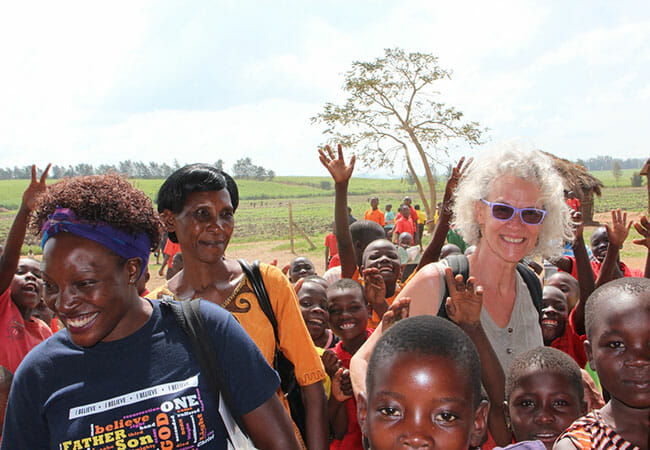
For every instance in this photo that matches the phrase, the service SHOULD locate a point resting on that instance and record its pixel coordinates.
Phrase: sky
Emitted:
(101, 82)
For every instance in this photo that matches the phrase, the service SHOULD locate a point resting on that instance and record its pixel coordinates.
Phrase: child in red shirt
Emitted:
(21, 286)
(348, 313)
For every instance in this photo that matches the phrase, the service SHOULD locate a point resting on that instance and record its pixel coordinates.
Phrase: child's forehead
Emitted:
(535, 379)
(312, 289)
(551, 292)
(599, 233)
(345, 294)
(29, 262)
(563, 279)
(380, 245)
(302, 261)
(622, 310)
(419, 368)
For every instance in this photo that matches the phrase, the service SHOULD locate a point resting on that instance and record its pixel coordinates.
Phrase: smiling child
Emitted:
(558, 325)
(312, 298)
(544, 395)
(423, 388)
(348, 312)
(618, 347)
(21, 287)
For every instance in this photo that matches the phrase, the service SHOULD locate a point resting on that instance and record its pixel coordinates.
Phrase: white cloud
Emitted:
(154, 81)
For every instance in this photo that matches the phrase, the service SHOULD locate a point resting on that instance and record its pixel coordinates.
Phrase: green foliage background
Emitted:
(263, 212)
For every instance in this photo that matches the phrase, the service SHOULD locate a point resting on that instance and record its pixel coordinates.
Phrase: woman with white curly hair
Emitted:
(510, 204)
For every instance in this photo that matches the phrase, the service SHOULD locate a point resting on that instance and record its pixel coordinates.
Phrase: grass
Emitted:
(259, 218)
(607, 177)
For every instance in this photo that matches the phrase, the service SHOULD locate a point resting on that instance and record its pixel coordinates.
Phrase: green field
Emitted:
(264, 205)
(607, 177)
(280, 188)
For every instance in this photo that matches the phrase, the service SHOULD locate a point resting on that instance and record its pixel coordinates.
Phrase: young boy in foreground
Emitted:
(544, 395)
(423, 388)
(617, 319)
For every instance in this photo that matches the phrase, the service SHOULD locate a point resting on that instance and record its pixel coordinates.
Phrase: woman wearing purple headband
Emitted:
(122, 373)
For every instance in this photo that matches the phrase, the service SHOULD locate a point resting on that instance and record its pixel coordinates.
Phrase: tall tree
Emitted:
(393, 113)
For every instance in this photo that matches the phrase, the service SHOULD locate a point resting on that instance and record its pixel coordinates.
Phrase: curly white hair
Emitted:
(521, 160)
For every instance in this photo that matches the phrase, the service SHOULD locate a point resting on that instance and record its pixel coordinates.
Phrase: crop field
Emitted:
(263, 212)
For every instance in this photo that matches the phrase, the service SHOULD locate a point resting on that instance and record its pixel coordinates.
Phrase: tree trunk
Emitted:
(416, 179)
(430, 207)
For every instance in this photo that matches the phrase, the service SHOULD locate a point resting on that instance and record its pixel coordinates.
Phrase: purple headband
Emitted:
(124, 244)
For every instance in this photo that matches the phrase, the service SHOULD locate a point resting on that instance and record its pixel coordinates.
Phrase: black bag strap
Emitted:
(460, 265)
(188, 317)
(533, 284)
(254, 275)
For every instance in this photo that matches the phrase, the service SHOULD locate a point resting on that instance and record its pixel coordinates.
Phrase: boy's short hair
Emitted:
(611, 290)
(348, 283)
(316, 279)
(366, 231)
(547, 359)
(429, 336)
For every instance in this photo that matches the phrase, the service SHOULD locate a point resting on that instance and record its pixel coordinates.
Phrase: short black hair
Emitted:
(366, 231)
(293, 261)
(348, 283)
(429, 336)
(546, 359)
(194, 178)
(610, 291)
(316, 279)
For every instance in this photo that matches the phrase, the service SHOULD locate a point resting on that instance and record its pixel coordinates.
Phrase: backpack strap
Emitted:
(533, 284)
(188, 317)
(254, 275)
(459, 265)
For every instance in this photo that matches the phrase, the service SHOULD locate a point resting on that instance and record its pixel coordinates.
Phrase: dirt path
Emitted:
(262, 250)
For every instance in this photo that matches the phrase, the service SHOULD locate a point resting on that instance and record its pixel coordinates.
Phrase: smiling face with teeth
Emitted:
(312, 298)
(513, 239)
(554, 314)
(348, 314)
(27, 286)
(382, 255)
(87, 286)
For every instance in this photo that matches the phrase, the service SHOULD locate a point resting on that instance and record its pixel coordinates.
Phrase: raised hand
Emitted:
(331, 362)
(465, 300)
(298, 285)
(397, 311)
(36, 188)
(341, 385)
(643, 228)
(578, 224)
(618, 231)
(336, 165)
(374, 288)
(456, 174)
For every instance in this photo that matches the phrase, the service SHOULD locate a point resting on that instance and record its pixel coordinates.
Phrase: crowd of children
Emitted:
(430, 382)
